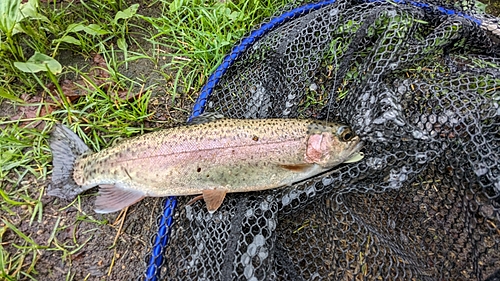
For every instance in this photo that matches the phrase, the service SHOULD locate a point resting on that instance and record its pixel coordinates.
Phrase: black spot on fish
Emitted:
(255, 138)
(126, 172)
(208, 176)
(198, 170)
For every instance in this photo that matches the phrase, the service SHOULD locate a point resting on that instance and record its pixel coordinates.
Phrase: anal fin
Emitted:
(214, 198)
(112, 198)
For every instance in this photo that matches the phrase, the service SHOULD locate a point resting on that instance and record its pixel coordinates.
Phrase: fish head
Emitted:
(332, 145)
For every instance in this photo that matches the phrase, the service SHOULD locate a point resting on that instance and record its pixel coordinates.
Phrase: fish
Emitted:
(209, 157)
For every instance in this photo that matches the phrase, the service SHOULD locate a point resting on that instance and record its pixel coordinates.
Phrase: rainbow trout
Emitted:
(210, 157)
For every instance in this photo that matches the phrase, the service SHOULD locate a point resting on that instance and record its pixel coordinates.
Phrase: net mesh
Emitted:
(420, 84)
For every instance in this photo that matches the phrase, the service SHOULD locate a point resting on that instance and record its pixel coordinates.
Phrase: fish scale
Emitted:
(212, 158)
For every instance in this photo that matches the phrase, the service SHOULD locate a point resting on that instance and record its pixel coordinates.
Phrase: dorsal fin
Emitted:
(205, 118)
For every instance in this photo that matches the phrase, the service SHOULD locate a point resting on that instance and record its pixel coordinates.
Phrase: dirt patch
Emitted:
(98, 247)
(99, 258)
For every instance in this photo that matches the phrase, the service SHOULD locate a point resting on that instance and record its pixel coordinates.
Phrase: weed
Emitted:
(14, 265)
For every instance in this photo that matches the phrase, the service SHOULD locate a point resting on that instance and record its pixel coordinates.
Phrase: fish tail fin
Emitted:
(66, 147)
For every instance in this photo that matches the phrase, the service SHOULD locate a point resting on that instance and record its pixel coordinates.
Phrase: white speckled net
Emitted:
(420, 83)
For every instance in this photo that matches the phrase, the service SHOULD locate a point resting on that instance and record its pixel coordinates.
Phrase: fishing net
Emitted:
(420, 84)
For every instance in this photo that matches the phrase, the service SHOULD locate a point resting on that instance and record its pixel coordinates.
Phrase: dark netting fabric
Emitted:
(420, 84)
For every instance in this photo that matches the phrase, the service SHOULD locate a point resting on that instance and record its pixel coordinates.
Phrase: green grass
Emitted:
(180, 42)
(201, 33)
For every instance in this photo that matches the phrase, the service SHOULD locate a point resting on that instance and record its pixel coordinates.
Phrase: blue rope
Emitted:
(161, 239)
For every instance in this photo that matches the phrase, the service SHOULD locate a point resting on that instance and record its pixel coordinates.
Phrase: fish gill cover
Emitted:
(419, 82)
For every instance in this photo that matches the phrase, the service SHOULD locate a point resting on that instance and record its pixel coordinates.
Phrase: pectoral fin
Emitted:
(112, 198)
(299, 168)
(213, 198)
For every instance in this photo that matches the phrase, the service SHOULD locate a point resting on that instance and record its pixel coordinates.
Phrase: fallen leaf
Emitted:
(71, 90)
(126, 95)
(33, 107)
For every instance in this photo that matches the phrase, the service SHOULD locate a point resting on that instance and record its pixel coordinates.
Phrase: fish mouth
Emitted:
(355, 155)
(357, 147)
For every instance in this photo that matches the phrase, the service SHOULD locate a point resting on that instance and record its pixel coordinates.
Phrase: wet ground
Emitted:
(98, 247)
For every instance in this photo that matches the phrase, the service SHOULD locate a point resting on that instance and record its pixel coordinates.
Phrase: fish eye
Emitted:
(345, 133)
